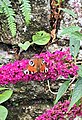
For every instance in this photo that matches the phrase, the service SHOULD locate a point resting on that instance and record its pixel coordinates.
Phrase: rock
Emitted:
(39, 21)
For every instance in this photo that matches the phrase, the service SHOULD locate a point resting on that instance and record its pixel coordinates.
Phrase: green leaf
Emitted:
(1, 65)
(24, 46)
(77, 93)
(5, 96)
(3, 88)
(41, 38)
(70, 12)
(26, 10)
(77, 35)
(1, 11)
(59, 1)
(80, 70)
(74, 46)
(10, 14)
(3, 112)
(62, 90)
(70, 29)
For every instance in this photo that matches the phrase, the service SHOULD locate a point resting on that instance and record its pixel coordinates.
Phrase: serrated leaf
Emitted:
(80, 70)
(3, 88)
(70, 12)
(26, 10)
(62, 90)
(69, 30)
(3, 112)
(41, 38)
(9, 12)
(5, 96)
(74, 46)
(77, 93)
(24, 46)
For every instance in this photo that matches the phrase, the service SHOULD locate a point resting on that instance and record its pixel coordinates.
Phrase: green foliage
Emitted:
(3, 88)
(40, 38)
(59, 1)
(6, 8)
(80, 70)
(26, 11)
(62, 90)
(70, 12)
(77, 92)
(74, 46)
(24, 46)
(70, 30)
(1, 65)
(4, 96)
(75, 37)
(1, 11)
(3, 112)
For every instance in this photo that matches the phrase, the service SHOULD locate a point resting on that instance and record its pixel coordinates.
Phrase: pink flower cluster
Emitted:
(59, 112)
(13, 72)
(59, 64)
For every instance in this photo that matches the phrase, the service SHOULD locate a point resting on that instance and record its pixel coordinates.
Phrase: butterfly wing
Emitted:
(36, 65)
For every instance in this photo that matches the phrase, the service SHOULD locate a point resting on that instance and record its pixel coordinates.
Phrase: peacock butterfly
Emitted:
(36, 65)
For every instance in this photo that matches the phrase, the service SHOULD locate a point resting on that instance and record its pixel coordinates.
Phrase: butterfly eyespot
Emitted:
(26, 72)
(31, 63)
(46, 69)
(43, 61)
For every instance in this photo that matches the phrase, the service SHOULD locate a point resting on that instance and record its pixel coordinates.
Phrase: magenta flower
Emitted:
(59, 112)
(59, 64)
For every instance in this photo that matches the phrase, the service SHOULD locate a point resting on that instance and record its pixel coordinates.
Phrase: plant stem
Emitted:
(55, 93)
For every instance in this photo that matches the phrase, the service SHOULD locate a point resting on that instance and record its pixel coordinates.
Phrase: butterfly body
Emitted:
(36, 65)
